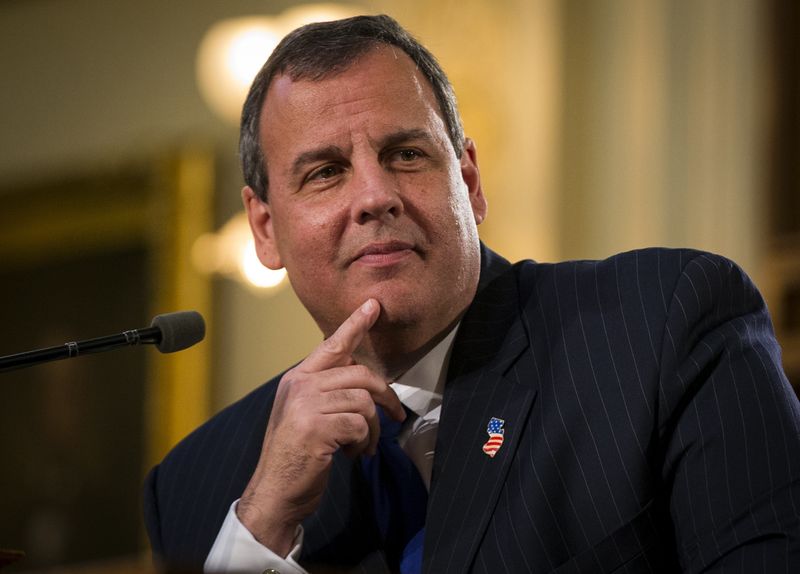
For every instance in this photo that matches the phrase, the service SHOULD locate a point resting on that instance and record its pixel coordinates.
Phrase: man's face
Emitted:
(367, 198)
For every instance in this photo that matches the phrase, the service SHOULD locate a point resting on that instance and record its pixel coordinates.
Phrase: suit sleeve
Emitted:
(151, 517)
(729, 426)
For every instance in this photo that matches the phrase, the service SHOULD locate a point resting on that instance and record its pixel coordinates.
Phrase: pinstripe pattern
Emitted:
(648, 428)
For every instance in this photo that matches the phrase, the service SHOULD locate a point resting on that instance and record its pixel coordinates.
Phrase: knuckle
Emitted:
(288, 392)
(287, 382)
(354, 426)
(338, 395)
(361, 396)
(361, 372)
(334, 345)
(345, 424)
(353, 397)
(350, 396)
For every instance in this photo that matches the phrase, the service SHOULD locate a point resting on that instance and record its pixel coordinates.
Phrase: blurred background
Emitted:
(601, 126)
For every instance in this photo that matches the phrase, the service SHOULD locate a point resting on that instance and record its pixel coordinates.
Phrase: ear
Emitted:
(259, 214)
(472, 177)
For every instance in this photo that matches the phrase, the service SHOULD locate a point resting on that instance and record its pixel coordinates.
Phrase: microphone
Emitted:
(169, 332)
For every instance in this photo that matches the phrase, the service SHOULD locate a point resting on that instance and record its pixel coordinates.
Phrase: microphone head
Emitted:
(179, 330)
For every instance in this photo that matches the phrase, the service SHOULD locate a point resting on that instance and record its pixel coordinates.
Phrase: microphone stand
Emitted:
(73, 349)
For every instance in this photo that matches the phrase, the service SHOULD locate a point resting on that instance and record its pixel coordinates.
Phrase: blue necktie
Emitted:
(400, 498)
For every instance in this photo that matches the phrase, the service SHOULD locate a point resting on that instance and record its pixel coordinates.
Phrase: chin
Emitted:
(413, 317)
(398, 314)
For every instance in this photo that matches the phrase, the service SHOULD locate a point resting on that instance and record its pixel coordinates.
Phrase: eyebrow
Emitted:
(315, 155)
(404, 136)
(333, 151)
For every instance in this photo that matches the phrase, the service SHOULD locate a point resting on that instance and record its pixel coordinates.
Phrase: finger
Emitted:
(353, 389)
(347, 401)
(358, 401)
(361, 377)
(337, 349)
(349, 431)
(348, 377)
(392, 406)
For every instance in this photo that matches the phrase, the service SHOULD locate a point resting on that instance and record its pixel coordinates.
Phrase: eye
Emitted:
(325, 172)
(406, 159)
(408, 154)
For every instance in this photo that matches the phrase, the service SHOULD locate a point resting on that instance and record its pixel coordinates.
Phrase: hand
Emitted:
(325, 403)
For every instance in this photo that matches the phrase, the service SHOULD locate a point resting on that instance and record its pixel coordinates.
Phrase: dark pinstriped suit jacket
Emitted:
(648, 428)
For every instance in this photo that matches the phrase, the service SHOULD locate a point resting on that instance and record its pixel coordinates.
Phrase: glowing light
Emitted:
(233, 51)
(231, 252)
(228, 59)
(247, 52)
(255, 272)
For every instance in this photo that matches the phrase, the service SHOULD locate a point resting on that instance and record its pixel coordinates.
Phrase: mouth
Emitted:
(382, 253)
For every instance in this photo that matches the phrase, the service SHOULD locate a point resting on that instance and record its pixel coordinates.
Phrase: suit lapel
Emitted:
(481, 384)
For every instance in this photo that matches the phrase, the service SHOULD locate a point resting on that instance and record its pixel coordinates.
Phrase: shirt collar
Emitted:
(420, 388)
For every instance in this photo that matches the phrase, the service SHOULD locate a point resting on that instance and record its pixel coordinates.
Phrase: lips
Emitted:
(383, 252)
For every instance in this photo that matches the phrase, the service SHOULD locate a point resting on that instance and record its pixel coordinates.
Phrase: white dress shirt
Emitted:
(420, 389)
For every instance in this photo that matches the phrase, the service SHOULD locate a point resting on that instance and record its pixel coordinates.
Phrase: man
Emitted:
(623, 415)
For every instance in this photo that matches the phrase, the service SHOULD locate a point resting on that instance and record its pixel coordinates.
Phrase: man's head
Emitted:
(369, 196)
(318, 51)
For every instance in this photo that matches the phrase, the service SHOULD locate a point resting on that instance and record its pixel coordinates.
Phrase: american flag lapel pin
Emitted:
(495, 431)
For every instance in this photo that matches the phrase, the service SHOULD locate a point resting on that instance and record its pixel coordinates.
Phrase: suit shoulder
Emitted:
(666, 265)
(652, 282)
(232, 427)
(674, 257)
(671, 261)
(710, 278)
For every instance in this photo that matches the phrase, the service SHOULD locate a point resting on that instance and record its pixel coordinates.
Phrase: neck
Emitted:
(390, 352)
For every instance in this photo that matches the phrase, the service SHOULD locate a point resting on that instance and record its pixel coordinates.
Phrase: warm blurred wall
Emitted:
(665, 126)
(600, 125)
(96, 81)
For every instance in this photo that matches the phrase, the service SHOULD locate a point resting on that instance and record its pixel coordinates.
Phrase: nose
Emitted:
(376, 196)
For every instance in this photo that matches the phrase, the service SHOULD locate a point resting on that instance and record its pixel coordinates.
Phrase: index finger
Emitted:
(336, 350)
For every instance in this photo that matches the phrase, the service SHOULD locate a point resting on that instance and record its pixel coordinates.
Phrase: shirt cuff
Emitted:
(237, 550)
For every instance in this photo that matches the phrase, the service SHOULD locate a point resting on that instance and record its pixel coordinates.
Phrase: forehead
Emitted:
(382, 89)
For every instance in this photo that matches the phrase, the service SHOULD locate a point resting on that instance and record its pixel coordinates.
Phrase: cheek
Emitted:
(308, 238)
(459, 203)
(460, 213)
